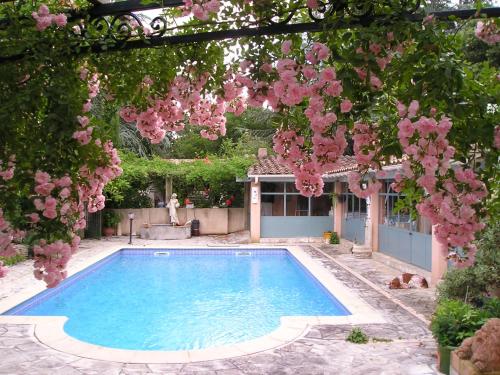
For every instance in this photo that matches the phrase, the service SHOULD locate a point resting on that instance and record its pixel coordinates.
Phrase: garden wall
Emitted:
(212, 220)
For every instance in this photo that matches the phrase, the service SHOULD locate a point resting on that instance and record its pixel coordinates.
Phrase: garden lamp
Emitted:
(131, 216)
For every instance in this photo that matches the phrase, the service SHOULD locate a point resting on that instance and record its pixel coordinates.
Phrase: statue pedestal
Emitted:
(362, 251)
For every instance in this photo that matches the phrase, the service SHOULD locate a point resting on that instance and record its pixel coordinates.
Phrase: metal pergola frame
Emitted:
(111, 20)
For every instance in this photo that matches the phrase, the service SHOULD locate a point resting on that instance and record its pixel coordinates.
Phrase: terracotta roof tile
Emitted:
(270, 166)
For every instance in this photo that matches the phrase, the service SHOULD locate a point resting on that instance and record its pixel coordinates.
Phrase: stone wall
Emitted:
(212, 220)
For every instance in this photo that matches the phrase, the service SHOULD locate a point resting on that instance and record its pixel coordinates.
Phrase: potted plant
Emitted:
(452, 322)
(110, 220)
(334, 239)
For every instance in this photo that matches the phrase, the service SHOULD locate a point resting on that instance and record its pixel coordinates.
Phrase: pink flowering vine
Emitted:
(184, 100)
(452, 193)
(488, 31)
(313, 84)
(200, 9)
(45, 19)
(7, 233)
(367, 152)
(7, 169)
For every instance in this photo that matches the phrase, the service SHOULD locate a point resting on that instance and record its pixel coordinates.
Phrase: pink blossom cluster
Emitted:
(51, 260)
(367, 153)
(488, 32)
(452, 193)
(7, 236)
(311, 83)
(45, 19)
(200, 9)
(91, 190)
(7, 171)
(183, 100)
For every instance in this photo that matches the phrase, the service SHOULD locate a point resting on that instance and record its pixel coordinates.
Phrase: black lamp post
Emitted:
(131, 216)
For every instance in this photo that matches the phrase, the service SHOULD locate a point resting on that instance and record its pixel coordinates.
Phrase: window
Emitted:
(353, 206)
(297, 205)
(321, 206)
(389, 215)
(283, 199)
(272, 205)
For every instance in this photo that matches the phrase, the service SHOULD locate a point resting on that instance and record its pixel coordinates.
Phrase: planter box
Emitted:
(444, 358)
(465, 367)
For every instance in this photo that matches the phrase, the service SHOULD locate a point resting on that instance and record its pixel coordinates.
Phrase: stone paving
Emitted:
(422, 300)
(404, 344)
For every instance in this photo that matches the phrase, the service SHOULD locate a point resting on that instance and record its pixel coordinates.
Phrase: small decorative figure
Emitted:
(173, 205)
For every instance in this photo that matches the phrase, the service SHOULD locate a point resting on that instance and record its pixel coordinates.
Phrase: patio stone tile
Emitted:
(322, 351)
(216, 365)
(173, 368)
(93, 367)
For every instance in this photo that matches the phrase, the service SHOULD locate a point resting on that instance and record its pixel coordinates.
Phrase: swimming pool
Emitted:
(152, 299)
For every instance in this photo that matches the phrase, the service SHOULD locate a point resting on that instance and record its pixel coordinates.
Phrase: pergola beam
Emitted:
(279, 29)
(130, 7)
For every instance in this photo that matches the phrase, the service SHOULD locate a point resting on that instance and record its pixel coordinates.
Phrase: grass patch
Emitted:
(10, 261)
(357, 336)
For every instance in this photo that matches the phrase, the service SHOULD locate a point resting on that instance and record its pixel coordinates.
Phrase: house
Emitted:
(278, 211)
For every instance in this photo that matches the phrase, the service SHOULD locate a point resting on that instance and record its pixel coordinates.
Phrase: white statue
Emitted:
(173, 205)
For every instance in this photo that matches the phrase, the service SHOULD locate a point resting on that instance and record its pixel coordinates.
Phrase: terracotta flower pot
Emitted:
(108, 232)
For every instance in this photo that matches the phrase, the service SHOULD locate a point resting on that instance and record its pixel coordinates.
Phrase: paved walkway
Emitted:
(404, 345)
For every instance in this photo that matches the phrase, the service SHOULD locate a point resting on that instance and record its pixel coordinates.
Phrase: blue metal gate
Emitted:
(353, 216)
(410, 247)
(353, 229)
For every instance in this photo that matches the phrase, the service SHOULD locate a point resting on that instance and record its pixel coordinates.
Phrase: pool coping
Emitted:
(49, 330)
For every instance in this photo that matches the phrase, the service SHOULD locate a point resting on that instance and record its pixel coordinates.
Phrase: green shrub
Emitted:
(334, 238)
(474, 283)
(462, 284)
(357, 336)
(487, 267)
(491, 307)
(454, 321)
(110, 219)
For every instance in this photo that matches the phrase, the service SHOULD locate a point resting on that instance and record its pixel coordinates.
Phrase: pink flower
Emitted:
(59, 19)
(83, 120)
(375, 48)
(128, 114)
(313, 4)
(267, 68)
(86, 106)
(401, 109)
(286, 47)
(34, 217)
(43, 10)
(375, 82)
(199, 12)
(84, 136)
(345, 106)
(413, 108)
(328, 74)
(65, 193)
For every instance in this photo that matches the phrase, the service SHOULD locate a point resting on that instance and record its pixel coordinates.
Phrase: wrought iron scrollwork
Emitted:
(158, 26)
(327, 9)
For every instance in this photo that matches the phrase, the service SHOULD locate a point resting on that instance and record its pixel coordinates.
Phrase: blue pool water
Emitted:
(187, 300)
